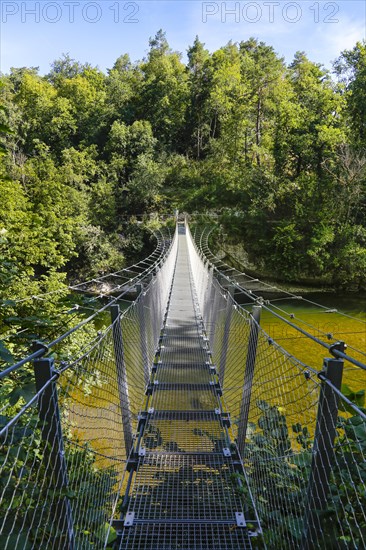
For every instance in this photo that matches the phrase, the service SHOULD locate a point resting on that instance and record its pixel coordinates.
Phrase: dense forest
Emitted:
(276, 150)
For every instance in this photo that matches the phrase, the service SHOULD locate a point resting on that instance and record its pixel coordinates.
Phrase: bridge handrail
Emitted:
(43, 349)
(64, 451)
(153, 257)
(163, 249)
(304, 367)
(337, 349)
(301, 440)
(62, 485)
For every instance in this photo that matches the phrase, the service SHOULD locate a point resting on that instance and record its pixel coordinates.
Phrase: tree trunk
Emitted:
(258, 129)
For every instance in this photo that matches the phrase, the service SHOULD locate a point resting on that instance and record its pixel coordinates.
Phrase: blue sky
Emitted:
(38, 32)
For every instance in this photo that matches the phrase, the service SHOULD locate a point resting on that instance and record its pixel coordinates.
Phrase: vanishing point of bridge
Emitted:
(182, 425)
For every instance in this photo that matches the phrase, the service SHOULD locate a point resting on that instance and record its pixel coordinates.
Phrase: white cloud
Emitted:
(338, 41)
(331, 39)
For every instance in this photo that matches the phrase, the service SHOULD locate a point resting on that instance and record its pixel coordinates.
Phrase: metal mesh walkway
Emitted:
(184, 493)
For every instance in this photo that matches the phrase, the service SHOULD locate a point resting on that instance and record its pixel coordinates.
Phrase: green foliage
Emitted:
(24, 464)
(4, 131)
(98, 254)
(351, 69)
(131, 141)
(358, 397)
(280, 495)
(278, 468)
(279, 150)
(141, 193)
(164, 92)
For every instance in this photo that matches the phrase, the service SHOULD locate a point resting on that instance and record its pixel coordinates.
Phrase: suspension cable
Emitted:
(259, 300)
(46, 347)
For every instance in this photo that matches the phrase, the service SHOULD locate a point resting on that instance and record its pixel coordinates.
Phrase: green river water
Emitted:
(275, 380)
(327, 325)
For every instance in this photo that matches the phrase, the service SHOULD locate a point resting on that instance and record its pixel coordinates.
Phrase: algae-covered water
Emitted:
(327, 324)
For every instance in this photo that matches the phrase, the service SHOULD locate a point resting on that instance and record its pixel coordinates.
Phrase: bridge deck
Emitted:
(183, 494)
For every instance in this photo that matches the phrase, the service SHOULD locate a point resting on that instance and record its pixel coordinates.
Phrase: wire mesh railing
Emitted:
(67, 431)
(49, 314)
(317, 323)
(301, 440)
(66, 443)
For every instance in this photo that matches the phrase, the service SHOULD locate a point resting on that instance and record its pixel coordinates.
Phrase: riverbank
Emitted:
(236, 256)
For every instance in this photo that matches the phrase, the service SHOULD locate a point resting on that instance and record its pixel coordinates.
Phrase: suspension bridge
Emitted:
(181, 424)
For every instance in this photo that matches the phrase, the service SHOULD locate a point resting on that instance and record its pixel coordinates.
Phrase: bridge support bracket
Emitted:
(237, 465)
(129, 519)
(142, 418)
(240, 519)
(142, 452)
(132, 463)
(226, 452)
(217, 387)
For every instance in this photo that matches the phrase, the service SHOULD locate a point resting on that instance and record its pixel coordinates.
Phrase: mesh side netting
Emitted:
(273, 409)
(60, 481)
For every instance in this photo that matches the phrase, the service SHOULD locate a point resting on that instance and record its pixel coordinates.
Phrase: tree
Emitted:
(65, 68)
(4, 128)
(263, 72)
(86, 93)
(131, 141)
(140, 193)
(80, 168)
(350, 67)
(164, 92)
(124, 83)
(226, 95)
(49, 118)
(318, 129)
(198, 115)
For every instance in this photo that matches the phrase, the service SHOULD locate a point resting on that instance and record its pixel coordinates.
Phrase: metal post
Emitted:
(214, 315)
(248, 376)
(51, 429)
(122, 378)
(143, 336)
(208, 301)
(225, 342)
(323, 453)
